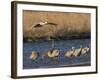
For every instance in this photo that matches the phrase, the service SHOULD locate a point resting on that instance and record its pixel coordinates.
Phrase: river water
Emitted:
(61, 61)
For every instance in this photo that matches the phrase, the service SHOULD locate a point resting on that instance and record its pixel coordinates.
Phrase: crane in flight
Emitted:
(41, 24)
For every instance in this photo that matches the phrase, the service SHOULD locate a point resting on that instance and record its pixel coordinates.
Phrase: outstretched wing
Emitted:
(37, 25)
(52, 23)
(34, 25)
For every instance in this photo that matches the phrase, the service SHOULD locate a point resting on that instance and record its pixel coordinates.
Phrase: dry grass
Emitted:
(68, 23)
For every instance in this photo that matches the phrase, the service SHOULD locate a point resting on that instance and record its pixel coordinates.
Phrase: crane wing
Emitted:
(52, 23)
(36, 24)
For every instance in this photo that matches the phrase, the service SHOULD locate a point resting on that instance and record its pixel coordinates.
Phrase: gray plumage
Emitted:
(41, 24)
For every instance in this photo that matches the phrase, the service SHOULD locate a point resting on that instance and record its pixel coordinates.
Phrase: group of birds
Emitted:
(54, 53)
(77, 52)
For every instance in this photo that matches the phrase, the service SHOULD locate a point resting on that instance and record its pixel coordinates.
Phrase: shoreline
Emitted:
(25, 40)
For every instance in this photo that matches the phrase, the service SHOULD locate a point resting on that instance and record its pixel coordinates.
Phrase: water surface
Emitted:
(62, 61)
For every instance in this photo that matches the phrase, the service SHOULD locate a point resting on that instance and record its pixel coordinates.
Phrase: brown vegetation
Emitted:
(69, 24)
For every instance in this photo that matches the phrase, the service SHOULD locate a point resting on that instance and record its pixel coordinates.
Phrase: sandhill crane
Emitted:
(85, 50)
(70, 52)
(34, 55)
(53, 53)
(77, 52)
(41, 24)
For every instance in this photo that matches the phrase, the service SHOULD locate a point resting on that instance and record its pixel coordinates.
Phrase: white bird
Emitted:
(34, 55)
(85, 50)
